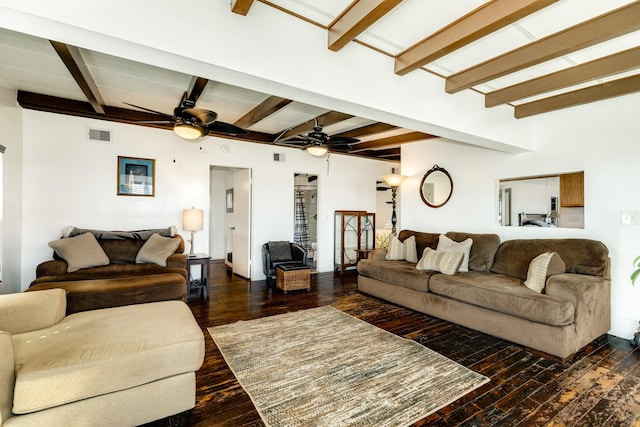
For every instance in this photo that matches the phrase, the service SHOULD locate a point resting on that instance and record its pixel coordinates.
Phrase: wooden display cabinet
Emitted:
(355, 233)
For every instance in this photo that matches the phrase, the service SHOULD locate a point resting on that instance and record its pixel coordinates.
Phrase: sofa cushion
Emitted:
(80, 252)
(541, 267)
(102, 351)
(448, 245)
(399, 251)
(503, 294)
(441, 261)
(423, 240)
(483, 250)
(581, 256)
(97, 293)
(156, 250)
(399, 273)
(280, 251)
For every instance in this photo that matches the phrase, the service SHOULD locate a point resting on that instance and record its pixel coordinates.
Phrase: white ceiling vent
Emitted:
(99, 135)
(278, 157)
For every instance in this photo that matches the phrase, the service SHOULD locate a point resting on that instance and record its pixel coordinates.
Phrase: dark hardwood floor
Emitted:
(599, 387)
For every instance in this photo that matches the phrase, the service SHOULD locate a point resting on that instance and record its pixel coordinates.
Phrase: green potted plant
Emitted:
(635, 341)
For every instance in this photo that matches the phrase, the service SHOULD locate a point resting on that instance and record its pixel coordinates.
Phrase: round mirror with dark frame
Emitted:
(436, 187)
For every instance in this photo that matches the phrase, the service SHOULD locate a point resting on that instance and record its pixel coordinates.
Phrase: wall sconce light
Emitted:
(192, 221)
(394, 180)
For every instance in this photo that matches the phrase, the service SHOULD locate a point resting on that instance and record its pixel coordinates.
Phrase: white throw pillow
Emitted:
(397, 250)
(81, 251)
(448, 245)
(541, 267)
(442, 261)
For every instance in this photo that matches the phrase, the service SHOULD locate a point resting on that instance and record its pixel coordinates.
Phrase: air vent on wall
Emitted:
(278, 157)
(99, 135)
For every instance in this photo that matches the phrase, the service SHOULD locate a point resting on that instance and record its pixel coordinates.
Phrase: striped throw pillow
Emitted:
(442, 261)
(398, 251)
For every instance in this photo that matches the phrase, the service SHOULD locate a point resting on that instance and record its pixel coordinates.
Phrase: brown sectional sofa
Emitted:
(573, 310)
(122, 281)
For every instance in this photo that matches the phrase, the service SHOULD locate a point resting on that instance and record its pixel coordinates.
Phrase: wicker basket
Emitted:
(292, 279)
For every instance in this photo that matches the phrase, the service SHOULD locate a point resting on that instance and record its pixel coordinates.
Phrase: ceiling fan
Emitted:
(318, 143)
(192, 123)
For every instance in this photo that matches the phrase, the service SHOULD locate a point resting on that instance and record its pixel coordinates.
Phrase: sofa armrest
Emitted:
(29, 311)
(7, 376)
(298, 253)
(54, 267)
(377, 254)
(591, 298)
(177, 261)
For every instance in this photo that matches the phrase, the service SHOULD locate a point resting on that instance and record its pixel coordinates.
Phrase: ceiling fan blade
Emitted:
(342, 140)
(157, 122)
(339, 147)
(206, 117)
(222, 127)
(149, 110)
(296, 142)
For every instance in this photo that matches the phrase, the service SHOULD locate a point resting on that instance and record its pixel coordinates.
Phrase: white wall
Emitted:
(599, 138)
(69, 180)
(11, 138)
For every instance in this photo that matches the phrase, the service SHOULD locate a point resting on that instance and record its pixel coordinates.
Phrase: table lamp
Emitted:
(192, 221)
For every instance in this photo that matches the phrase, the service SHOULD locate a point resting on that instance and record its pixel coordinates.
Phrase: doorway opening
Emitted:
(230, 218)
(305, 233)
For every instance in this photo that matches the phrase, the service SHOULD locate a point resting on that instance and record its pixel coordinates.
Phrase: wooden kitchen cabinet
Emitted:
(572, 190)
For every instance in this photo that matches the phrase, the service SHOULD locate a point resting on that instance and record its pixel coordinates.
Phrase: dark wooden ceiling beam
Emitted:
(263, 110)
(196, 87)
(368, 130)
(241, 7)
(52, 104)
(359, 16)
(326, 119)
(606, 90)
(392, 140)
(597, 30)
(72, 59)
(384, 153)
(598, 68)
(484, 20)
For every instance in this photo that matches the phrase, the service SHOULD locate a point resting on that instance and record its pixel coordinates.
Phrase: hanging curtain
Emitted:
(301, 224)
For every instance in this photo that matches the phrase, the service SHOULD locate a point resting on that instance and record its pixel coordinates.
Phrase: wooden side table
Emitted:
(201, 283)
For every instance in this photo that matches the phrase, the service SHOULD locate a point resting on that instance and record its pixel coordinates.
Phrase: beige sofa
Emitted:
(121, 281)
(573, 310)
(121, 366)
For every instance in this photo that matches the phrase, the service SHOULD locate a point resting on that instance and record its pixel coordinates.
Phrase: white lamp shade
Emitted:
(187, 131)
(394, 180)
(317, 150)
(192, 219)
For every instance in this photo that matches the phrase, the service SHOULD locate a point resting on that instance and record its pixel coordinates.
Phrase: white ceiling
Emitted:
(30, 63)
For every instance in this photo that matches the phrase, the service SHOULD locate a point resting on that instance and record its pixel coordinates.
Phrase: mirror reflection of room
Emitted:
(552, 201)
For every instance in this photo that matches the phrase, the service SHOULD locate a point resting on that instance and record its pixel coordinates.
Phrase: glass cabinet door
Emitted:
(354, 233)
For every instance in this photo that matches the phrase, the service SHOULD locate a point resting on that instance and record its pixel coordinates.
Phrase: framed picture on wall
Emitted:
(136, 176)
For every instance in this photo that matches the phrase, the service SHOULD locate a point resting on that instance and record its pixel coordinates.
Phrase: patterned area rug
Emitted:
(323, 367)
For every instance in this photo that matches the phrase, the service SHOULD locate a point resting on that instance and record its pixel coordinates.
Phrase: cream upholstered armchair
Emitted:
(116, 366)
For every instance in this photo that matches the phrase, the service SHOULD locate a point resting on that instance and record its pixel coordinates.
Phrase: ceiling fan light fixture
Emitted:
(317, 150)
(188, 131)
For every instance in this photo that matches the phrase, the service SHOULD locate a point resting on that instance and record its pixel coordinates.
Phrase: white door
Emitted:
(242, 222)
